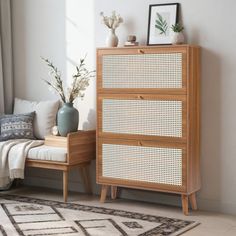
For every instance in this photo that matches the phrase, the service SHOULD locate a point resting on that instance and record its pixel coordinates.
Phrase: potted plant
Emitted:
(177, 34)
(68, 116)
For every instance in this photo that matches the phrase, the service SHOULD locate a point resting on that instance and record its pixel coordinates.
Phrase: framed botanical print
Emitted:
(161, 18)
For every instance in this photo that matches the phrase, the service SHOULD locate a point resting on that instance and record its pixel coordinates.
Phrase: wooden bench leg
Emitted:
(113, 192)
(65, 185)
(185, 204)
(193, 201)
(84, 173)
(103, 193)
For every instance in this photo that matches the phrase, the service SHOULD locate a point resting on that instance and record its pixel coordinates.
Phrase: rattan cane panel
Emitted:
(142, 117)
(143, 71)
(138, 163)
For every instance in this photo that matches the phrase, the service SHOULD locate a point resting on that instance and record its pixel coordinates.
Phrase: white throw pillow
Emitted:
(45, 114)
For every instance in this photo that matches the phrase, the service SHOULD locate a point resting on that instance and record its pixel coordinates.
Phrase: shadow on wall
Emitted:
(91, 120)
(210, 129)
(37, 33)
(211, 97)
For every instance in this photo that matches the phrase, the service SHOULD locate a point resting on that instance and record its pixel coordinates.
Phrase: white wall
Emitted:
(40, 29)
(63, 31)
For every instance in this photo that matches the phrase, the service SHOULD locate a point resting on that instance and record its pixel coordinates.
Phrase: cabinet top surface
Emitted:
(55, 137)
(151, 47)
(78, 133)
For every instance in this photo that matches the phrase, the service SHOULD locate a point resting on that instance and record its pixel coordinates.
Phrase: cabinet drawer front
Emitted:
(149, 71)
(143, 117)
(150, 164)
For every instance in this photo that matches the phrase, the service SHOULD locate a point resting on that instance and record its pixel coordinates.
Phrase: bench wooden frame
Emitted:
(81, 149)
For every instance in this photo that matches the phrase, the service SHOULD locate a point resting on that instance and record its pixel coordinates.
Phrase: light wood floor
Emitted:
(212, 224)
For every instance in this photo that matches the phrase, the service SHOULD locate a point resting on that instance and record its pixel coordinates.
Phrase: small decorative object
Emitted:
(55, 131)
(177, 36)
(112, 23)
(161, 17)
(68, 116)
(131, 41)
(131, 38)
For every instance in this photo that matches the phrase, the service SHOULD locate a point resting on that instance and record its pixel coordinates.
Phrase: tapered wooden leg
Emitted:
(185, 204)
(193, 201)
(84, 173)
(113, 192)
(103, 193)
(65, 185)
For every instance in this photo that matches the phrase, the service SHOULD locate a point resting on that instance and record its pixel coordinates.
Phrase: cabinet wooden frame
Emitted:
(193, 121)
(189, 93)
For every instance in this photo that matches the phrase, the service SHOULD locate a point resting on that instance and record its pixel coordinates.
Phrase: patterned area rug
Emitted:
(35, 217)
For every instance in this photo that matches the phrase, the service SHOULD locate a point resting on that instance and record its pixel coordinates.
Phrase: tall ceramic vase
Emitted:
(67, 119)
(112, 40)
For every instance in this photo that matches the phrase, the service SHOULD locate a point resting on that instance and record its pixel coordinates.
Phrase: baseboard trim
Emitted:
(138, 195)
(216, 206)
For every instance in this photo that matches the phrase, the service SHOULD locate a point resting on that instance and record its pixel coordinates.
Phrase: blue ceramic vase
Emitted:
(67, 119)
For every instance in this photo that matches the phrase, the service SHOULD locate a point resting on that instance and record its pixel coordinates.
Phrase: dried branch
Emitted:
(80, 81)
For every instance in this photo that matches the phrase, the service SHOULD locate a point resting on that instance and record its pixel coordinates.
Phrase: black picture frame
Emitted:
(166, 15)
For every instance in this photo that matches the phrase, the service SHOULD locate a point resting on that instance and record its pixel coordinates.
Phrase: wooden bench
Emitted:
(81, 149)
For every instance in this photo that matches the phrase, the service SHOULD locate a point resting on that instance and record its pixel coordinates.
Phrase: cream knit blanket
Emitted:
(12, 159)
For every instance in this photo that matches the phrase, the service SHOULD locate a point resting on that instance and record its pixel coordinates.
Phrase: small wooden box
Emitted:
(81, 145)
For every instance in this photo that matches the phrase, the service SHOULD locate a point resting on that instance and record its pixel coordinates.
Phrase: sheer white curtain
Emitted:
(6, 74)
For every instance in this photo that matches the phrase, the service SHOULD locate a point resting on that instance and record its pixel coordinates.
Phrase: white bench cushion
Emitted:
(47, 153)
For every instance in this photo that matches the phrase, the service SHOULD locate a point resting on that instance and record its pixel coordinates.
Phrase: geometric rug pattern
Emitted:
(26, 216)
